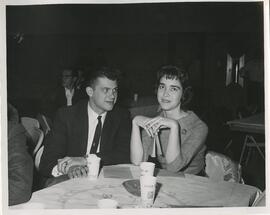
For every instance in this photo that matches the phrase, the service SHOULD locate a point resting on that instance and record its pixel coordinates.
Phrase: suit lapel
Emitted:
(82, 123)
(108, 130)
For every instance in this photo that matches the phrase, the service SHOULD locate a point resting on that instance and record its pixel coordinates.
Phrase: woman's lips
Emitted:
(165, 101)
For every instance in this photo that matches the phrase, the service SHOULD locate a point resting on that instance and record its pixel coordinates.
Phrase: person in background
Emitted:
(20, 163)
(80, 82)
(65, 95)
(68, 94)
(93, 126)
(175, 139)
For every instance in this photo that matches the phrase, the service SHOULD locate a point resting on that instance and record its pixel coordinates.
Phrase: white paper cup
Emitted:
(107, 203)
(93, 163)
(147, 168)
(148, 189)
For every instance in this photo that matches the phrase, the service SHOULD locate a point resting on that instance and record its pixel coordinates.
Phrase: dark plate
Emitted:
(133, 187)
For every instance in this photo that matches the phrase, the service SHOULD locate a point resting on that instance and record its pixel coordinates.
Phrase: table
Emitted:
(250, 125)
(177, 190)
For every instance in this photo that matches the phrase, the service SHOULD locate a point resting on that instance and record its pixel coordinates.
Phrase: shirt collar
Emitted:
(68, 90)
(93, 114)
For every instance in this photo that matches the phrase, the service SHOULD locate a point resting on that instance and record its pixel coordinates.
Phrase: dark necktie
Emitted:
(97, 134)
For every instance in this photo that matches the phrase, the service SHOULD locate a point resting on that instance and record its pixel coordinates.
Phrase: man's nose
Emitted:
(112, 94)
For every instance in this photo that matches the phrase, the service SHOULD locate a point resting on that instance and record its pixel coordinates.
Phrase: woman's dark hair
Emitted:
(110, 73)
(178, 73)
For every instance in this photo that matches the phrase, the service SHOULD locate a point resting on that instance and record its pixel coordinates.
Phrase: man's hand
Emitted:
(77, 171)
(67, 162)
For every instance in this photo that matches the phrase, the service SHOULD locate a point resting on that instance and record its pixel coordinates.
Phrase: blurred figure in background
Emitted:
(20, 163)
(67, 94)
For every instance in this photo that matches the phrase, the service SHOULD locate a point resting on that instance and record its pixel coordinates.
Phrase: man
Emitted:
(74, 133)
(68, 94)
(65, 95)
(20, 163)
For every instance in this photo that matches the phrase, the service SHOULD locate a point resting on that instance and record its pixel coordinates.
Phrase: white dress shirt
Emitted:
(92, 124)
(69, 94)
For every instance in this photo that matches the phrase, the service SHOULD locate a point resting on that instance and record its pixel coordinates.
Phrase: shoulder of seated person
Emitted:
(15, 128)
(192, 121)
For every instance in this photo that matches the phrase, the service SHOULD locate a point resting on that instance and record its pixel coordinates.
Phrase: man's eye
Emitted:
(161, 87)
(115, 90)
(105, 90)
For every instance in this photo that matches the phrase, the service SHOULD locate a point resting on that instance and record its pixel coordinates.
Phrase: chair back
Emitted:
(44, 123)
(260, 200)
(30, 124)
(38, 157)
(39, 141)
(221, 168)
(36, 135)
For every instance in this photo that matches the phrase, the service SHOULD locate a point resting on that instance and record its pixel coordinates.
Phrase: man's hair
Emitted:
(74, 71)
(178, 73)
(102, 72)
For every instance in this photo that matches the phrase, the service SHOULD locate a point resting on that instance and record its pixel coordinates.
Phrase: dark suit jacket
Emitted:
(20, 165)
(60, 96)
(70, 134)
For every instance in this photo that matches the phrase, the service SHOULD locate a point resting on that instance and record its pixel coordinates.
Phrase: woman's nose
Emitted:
(166, 93)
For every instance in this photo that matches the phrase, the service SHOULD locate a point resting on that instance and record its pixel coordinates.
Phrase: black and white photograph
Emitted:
(139, 105)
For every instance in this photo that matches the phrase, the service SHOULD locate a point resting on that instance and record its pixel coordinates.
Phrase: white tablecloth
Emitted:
(182, 191)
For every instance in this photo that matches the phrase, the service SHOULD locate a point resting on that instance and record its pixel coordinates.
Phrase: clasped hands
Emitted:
(74, 167)
(153, 125)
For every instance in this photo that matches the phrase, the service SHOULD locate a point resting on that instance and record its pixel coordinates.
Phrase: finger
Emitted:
(150, 131)
(156, 128)
(83, 171)
(70, 174)
(62, 163)
(78, 172)
(154, 121)
(147, 131)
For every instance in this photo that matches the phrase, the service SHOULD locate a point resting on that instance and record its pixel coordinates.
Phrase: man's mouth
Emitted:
(110, 102)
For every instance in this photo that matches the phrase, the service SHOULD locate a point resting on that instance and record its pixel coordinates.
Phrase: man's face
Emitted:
(103, 95)
(67, 79)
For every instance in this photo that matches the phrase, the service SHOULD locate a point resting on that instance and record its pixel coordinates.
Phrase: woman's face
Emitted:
(169, 94)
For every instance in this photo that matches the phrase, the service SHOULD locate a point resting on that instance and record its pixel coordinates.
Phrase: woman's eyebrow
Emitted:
(175, 86)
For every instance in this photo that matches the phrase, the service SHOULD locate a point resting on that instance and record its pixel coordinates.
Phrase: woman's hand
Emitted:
(157, 123)
(141, 121)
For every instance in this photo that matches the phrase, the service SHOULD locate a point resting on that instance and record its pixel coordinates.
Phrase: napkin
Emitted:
(117, 172)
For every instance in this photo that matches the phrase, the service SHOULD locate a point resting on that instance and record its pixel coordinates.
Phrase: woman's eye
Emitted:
(174, 89)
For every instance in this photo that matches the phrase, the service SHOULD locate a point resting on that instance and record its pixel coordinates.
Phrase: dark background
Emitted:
(136, 38)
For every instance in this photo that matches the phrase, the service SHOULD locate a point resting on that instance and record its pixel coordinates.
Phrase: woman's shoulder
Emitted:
(192, 120)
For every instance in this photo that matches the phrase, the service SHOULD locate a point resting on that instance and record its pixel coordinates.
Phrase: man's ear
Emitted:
(89, 91)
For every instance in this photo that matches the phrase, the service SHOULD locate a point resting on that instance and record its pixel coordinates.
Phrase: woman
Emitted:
(176, 136)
